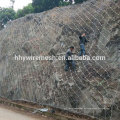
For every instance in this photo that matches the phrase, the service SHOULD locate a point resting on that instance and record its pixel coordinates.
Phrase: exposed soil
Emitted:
(6, 114)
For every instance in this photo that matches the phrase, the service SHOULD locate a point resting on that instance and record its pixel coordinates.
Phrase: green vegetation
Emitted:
(6, 14)
(26, 10)
(79, 1)
(36, 6)
(43, 5)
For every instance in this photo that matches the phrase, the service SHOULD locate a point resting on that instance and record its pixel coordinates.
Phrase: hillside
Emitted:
(93, 89)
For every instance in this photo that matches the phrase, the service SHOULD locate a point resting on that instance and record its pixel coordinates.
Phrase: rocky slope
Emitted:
(93, 86)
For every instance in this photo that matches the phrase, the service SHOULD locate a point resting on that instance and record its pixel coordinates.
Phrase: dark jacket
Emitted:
(83, 40)
(68, 54)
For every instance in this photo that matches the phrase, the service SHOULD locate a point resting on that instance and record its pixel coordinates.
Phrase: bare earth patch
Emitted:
(6, 114)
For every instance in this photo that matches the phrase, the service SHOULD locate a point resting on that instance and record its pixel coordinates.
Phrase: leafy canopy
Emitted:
(26, 10)
(6, 14)
(43, 5)
(36, 6)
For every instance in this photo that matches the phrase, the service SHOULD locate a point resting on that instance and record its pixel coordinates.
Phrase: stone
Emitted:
(52, 33)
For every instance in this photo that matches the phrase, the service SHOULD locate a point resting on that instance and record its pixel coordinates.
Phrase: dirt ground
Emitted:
(7, 114)
(10, 111)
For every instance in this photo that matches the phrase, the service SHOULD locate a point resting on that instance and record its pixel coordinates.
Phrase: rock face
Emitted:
(93, 86)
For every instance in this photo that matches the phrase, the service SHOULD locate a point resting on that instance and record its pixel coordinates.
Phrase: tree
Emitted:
(12, 1)
(79, 1)
(74, 1)
(19, 14)
(64, 3)
(43, 5)
(26, 10)
(6, 14)
(69, 1)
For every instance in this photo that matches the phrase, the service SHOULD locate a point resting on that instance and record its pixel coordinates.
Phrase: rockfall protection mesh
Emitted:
(71, 89)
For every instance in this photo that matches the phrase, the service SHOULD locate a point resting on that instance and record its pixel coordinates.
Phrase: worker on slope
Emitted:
(69, 62)
(82, 43)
